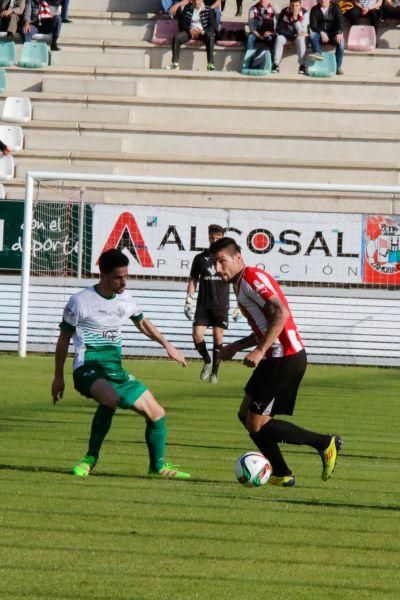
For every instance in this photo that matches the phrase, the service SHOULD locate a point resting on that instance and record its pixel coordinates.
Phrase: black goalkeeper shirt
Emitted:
(213, 291)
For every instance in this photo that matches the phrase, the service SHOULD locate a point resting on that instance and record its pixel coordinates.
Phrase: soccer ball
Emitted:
(253, 469)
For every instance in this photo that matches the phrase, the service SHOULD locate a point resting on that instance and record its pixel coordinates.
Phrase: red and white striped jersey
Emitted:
(253, 289)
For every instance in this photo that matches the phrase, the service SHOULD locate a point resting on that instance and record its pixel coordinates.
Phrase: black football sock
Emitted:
(202, 350)
(271, 451)
(289, 433)
(100, 427)
(216, 360)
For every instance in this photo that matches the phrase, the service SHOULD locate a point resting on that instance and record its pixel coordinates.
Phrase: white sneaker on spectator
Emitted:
(316, 56)
(173, 66)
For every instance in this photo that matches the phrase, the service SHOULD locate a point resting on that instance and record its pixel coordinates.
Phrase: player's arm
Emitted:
(191, 289)
(277, 314)
(58, 385)
(149, 330)
(227, 352)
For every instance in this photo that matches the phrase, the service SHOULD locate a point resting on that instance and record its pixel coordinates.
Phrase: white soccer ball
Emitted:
(253, 469)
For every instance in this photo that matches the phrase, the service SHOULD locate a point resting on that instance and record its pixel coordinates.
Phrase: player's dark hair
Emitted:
(213, 228)
(112, 259)
(225, 243)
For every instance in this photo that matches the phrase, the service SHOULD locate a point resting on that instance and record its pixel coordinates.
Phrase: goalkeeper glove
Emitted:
(237, 314)
(188, 309)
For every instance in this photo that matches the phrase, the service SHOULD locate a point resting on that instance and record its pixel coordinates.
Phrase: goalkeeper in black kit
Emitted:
(212, 306)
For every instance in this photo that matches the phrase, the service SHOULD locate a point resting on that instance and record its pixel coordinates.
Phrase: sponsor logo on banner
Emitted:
(292, 246)
(381, 250)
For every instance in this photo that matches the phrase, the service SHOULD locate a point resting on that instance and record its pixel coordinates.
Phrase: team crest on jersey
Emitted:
(381, 250)
(120, 312)
(110, 334)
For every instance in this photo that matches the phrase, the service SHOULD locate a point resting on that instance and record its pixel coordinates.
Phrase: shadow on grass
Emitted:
(287, 501)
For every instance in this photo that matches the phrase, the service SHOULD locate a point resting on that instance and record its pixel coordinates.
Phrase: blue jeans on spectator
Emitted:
(49, 26)
(252, 40)
(64, 9)
(166, 4)
(315, 38)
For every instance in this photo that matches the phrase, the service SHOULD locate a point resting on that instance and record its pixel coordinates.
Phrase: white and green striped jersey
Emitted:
(96, 322)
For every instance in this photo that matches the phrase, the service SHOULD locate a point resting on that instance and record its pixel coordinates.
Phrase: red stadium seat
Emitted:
(164, 31)
(362, 38)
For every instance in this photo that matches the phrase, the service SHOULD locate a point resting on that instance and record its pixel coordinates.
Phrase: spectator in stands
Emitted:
(292, 25)
(391, 9)
(173, 6)
(371, 9)
(11, 12)
(262, 18)
(64, 11)
(196, 22)
(4, 148)
(42, 17)
(326, 27)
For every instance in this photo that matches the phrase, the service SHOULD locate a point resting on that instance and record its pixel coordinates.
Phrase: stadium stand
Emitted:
(106, 104)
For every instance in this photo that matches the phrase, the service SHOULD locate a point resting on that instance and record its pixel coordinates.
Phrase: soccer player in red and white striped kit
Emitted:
(279, 361)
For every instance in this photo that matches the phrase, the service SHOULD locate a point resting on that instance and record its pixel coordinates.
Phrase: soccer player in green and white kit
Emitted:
(93, 318)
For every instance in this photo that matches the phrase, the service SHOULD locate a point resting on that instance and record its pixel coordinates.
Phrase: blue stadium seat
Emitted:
(322, 68)
(256, 72)
(35, 55)
(7, 53)
(3, 84)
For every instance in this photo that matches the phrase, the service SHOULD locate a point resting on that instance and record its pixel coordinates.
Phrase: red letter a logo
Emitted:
(126, 234)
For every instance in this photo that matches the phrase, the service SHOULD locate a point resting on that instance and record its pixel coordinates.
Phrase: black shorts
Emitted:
(274, 384)
(211, 317)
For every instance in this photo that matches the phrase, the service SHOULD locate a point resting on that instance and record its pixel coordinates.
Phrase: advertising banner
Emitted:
(295, 246)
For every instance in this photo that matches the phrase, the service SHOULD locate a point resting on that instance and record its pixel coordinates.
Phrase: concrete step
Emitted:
(194, 196)
(315, 145)
(96, 57)
(252, 116)
(132, 29)
(193, 86)
(85, 85)
(133, 6)
(208, 166)
(71, 140)
(76, 112)
(206, 86)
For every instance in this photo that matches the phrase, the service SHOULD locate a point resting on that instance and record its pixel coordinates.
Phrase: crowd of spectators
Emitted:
(271, 28)
(29, 17)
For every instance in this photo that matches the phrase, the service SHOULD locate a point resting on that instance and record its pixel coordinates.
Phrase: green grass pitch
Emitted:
(122, 535)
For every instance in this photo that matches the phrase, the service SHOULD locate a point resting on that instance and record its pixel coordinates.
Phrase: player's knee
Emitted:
(157, 413)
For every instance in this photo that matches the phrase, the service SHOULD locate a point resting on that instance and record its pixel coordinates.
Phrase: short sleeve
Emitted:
(135, 311)
(195, 270)
(71, 312)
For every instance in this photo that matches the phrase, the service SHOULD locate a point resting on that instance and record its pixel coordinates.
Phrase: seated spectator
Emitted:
(42, 17)
(391, 9)
(262, 17)
(173, 6)
(365, 8)
(326, 27)
(196, 22)
(64, 11)
(292, 25)
(11, 12)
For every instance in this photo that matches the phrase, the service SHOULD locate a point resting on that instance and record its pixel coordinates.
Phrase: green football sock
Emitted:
(100, 427)
(156, 435)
